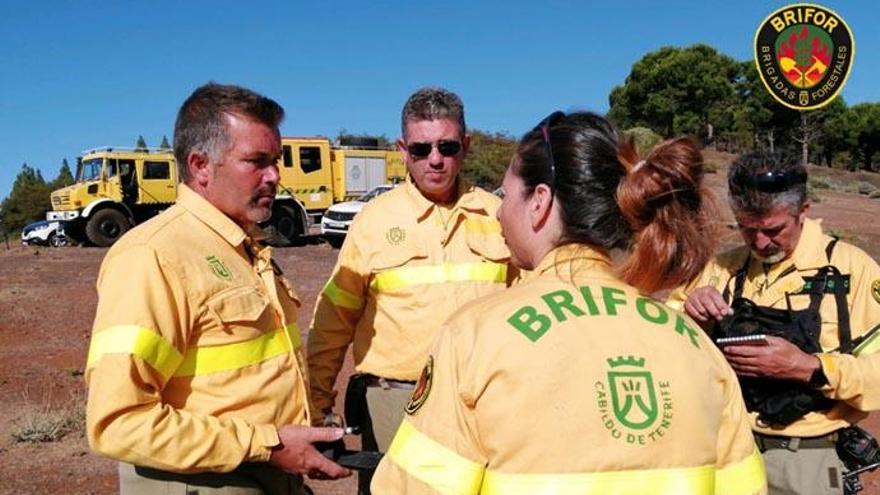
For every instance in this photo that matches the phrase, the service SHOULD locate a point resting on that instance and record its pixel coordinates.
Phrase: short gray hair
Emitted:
(760, 182)
(201, 124)
(432, 103)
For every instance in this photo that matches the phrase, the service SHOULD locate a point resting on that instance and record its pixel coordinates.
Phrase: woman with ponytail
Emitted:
(576, 381)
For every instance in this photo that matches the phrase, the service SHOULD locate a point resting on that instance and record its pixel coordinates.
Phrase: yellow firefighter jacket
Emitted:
(193, 362)
(573, 383)
(406, 265)
(854, 380)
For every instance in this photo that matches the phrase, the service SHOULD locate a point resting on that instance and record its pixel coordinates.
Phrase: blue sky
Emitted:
(82, 74)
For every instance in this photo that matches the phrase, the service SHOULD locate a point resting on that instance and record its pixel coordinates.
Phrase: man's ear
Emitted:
(539, 205)
(198, 165)
(465, 144)
(805, 210)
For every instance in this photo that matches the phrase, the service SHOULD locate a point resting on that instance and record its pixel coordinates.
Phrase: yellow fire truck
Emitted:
(117, 188)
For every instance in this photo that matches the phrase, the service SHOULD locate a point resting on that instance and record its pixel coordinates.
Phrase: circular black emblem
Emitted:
(804, 54)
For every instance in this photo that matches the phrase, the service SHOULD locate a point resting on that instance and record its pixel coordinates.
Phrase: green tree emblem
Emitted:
(219, 268)
(632, 393)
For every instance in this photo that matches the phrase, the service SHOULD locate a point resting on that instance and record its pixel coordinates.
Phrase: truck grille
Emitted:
(61, 199)
(339, 216)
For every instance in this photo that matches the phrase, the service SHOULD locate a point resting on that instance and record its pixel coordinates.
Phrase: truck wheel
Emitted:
(106, 226)
(285, 226)
(335, 240)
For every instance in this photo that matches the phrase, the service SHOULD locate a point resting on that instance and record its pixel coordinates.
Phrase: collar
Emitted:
(208, 214)
(570, 260)
(810, 249)
(466, 198)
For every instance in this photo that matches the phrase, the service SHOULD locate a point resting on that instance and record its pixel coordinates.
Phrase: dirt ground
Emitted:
(47, 302)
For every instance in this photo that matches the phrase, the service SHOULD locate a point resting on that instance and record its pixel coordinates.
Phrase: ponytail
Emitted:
(665, 203)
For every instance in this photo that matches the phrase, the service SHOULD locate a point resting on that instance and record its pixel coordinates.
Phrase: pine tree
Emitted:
(141, 144)
(28, 201)
(65, 177)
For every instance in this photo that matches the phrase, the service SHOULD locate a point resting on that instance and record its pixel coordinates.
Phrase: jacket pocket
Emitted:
(239, 305)
(412, 247)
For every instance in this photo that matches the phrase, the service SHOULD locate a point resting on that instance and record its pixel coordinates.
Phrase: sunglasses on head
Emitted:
(773, 181)
(422, 150)
(544, 126)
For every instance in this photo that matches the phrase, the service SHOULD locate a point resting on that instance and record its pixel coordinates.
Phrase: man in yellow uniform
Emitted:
(413, 256)
(819, 372)
(196, 382)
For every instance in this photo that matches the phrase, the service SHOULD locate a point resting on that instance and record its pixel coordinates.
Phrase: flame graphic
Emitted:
(804, 61)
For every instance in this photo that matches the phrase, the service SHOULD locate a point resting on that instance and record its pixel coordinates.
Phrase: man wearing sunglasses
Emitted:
(413, 256)
(817, 372)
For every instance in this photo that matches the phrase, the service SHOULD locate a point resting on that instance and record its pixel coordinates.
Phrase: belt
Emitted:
(386, 383)
(769, 442)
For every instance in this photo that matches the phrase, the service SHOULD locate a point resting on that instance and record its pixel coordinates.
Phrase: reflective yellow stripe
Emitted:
(433, 464)
(204, 360)
(342, 298)
(295, 338)
(407, 276)
(742, 478)
(485, 226)
(690, 481)
(869, 345)
(137, 341)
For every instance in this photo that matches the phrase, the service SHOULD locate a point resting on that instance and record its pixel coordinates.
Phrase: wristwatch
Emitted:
(818, 378)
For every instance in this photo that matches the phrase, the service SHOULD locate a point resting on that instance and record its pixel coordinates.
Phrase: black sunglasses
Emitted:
(545, 126)
(422, 150)
(773, 181)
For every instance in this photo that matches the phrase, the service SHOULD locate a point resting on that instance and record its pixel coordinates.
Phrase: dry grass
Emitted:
(46, 422)
(825, 182)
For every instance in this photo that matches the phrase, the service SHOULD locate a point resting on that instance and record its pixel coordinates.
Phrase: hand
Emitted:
(296, 454)
(705, 304)
(779, 359)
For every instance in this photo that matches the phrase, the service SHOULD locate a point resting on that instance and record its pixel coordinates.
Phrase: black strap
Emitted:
(739, 281)
(825, 274)
(844, 332)
(830, 247)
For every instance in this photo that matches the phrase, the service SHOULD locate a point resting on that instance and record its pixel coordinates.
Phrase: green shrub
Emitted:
(44, 422)
(819, 182)
(644, 139)
(866, 188)
(842, 160)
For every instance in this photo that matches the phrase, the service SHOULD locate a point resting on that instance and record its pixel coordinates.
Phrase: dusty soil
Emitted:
(47, 302)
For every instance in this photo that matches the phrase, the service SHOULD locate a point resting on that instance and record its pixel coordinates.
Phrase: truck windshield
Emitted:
(90, 170)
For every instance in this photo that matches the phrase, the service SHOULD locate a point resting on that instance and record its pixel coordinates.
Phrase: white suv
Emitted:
(337, 219)
(44, 233)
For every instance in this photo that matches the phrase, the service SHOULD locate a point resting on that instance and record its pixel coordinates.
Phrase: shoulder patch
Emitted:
(875, 290)
(423, 388)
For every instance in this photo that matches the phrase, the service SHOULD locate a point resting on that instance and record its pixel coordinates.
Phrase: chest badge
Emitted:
(395, 235)
(219, 268)
(875, 290)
